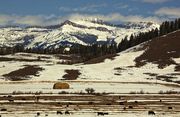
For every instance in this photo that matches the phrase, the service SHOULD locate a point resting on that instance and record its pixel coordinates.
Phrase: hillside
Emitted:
(162, 51)
(155, 59)
(147, 62)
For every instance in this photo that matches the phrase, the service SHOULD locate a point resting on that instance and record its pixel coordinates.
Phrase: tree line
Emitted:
(169, 26)
(165, 28)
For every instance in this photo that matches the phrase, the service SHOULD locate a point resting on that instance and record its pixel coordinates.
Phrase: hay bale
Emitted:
(60, 85)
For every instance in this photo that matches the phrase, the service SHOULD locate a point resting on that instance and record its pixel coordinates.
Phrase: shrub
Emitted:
(63, 92)
(138, 92)
(168, 92)
(38, 92)
(90, 90)
(160, 92)
(132, 92)
(141, 92)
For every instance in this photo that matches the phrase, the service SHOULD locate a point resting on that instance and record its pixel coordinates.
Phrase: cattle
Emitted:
(108, 104)
(70, 103)
(59, 112)
(151, 113)
(67, 113)
(130, 107)
(90, 103)
(38, 113)
(102, 113)
(9, 96)
(23, 99)
(170, 108)
(11, 100)
(121, 103)
(3, 109)
(106, 113)
(136, 102)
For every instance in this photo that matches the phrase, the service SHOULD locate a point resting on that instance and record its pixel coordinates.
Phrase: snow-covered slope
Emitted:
(12, 36)
(69, 32)
(151, 67)
(149, 61)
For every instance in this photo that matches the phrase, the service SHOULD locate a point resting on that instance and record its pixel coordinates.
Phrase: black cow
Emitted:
(100, 113)
(67, 113)
(130, 107)
(11, 100)
(121, 103)
(38, 113)
(59, 112)
(151, 113)
(136, 102)
(106, 113)
(3, 109)
(9, 96)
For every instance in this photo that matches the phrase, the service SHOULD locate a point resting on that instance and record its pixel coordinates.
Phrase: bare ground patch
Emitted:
(151, 74)
(160, 51)
(15, 59)
(177, 68)
(24, 73)
(174, 74)
(71, 74)
(167, 78)
(119, 69)
(101, 59)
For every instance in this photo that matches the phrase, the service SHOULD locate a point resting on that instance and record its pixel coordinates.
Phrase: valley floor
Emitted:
(121, 105)
(121, 88)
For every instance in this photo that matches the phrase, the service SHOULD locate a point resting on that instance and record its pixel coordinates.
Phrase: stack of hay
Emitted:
(61, 85)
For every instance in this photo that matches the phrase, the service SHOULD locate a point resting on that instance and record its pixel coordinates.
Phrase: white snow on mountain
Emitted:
(82, 32)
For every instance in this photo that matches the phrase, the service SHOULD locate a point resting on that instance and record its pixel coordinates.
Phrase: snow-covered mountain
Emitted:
(83, 32)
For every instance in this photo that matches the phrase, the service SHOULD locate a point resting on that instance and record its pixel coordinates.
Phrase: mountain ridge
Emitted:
(71, 32)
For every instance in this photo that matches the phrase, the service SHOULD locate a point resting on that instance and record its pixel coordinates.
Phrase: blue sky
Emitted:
(47, 12)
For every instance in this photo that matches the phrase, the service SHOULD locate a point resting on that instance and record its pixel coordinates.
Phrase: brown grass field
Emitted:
(164, 103)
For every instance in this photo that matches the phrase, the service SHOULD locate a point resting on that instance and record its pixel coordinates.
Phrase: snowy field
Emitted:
(107, 76)
(107, 70)
(76, 87)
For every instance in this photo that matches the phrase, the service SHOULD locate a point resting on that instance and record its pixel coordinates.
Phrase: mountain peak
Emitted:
(81, 31)
(66, 22)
